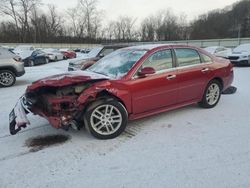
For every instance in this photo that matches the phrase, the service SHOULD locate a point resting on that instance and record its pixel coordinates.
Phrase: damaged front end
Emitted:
(17, 117)
(60, 100)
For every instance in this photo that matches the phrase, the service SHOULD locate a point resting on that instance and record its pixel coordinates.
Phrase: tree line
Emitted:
(30, 21)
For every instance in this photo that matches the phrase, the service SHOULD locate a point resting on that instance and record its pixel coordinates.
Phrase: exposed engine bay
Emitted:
(59, 105)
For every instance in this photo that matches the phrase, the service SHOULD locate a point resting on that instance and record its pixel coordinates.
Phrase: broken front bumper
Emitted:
(18, 116)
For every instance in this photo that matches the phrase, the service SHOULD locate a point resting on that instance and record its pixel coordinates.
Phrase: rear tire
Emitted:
(7, 78)
(46, 60)
(211, 95)
(31, 63)
(106, 118)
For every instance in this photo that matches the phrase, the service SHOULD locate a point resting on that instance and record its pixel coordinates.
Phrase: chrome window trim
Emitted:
(190, 66)
(156, 73)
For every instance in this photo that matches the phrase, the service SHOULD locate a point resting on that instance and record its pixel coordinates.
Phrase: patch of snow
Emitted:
(188, 147)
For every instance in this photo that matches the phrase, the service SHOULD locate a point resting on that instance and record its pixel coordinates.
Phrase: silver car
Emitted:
(10, 68)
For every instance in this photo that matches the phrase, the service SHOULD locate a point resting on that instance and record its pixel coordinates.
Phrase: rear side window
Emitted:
(186, 57)
(206, 58)
(4, 53)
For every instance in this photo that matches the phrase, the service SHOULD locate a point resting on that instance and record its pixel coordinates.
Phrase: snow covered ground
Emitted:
(188, 147)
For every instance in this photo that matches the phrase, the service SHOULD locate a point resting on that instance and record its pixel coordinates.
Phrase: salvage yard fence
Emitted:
(231, 43)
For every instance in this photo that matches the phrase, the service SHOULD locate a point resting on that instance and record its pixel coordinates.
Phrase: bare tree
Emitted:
(19, 11)
(148, 29)
(8, 8)
(77, 22)
(90, 15)
(55, 21)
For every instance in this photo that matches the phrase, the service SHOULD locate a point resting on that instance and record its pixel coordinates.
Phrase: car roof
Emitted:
(115, 45)
(148, 47)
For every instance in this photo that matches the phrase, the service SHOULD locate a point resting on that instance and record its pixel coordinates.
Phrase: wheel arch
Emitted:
(219, 80)
(9, 68)
(105, 93)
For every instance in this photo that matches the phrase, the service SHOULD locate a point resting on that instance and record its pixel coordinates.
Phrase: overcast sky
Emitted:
(141, 8)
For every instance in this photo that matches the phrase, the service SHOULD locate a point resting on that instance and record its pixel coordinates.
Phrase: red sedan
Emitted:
(68, 54)
(127, 84)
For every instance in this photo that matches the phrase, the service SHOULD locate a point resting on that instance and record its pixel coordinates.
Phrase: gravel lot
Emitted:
(188, 147)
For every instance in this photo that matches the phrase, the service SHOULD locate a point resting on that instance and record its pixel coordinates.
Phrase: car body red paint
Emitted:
(68, 54)
(141, 96)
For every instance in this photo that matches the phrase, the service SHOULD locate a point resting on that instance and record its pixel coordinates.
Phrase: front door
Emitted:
(157, 90)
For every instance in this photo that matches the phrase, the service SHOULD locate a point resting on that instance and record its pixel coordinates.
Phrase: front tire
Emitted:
(7, 78)
(106, 118)
(211, 95)
(46, 60)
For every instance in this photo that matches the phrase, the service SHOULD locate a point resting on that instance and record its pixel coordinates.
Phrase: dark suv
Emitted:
(93, 56)
(10, 68)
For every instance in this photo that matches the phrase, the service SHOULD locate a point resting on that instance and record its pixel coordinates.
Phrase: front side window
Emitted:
(160, 60)
(106, 51)
(187, 57)
(37, 52)
(34, 53)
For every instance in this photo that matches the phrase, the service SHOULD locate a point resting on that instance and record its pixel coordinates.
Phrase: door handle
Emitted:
(170, 77)
(205, 70)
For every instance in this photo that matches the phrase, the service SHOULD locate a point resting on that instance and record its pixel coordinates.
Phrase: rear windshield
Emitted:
(5, 54)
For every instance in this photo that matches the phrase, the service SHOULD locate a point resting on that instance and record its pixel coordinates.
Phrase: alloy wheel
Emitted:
(106, 119)
(213, 94)
(6, 79)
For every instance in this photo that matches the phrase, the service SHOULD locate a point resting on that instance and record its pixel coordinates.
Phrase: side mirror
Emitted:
(146, 71)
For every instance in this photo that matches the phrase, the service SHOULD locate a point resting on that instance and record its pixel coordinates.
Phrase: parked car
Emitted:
(219, 51)
(10, 68)
(77, 50)
(128, 84)
(23, 48)
(240, 55)
(36, 58)
(85, 50)
(68, 54)
(93, 56)
(53, 54)
(23, 51)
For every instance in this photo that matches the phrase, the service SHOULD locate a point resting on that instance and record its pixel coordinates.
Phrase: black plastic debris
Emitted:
(230, 90)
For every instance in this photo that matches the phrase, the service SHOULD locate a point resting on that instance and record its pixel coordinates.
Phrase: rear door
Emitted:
(192, 74)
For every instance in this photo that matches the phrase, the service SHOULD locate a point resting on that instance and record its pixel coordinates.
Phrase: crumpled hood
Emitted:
(66, 79)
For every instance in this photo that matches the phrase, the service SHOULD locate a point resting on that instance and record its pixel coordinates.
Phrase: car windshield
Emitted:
(94, 52)
(118, 63)
(210, 49)
(242, 48)
(4, 53)
(51, 50)
(23, 48)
